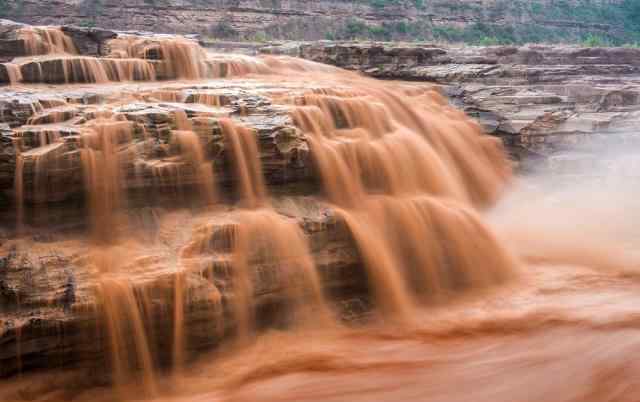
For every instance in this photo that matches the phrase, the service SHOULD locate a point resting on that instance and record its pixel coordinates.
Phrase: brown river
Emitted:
(483, 285)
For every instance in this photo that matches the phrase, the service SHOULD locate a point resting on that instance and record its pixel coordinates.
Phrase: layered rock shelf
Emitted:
(49, 313)
(69, 55)
(38, 117)
(549, 105)
(556, 106)
(299, 19)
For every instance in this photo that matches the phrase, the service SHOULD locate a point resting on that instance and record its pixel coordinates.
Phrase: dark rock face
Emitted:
(10, 45)
(544, 102)
(89, 41)
(16, 109)
(47, 301)
(4, 74)
(293, 19)
(284, 151)
(48, 297)
(7, 162)
(552, 105)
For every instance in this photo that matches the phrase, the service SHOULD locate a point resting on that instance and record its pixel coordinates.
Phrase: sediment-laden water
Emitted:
(475, 284)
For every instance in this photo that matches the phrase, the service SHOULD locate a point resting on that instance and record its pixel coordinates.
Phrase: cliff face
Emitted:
(569, 109)
(553, 106)
(155, 126)
(454, 20)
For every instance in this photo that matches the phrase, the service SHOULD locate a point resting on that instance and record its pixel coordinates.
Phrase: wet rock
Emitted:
(59, 322)
(7, 162)
(89, 41)
(10, 45)
(42, 118)
(541, 100)
(16, 108)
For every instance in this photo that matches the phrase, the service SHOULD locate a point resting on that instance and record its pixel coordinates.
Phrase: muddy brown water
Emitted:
(478, 296)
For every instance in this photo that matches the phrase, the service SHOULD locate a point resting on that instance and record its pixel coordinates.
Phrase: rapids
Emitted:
(468, 294)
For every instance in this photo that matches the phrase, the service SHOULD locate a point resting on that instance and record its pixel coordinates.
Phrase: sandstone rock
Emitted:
(10, 45)
(543, 101)
(59, 325)
(16, 109)
(284, 150)
(89, 41)
(293, 19)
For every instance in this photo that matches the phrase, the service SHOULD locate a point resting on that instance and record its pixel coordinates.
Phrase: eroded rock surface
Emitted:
(47, 287)
(543, 102)
(300, 19)
(38, 117)
(552, 105)
(50, 314)
(51, 290)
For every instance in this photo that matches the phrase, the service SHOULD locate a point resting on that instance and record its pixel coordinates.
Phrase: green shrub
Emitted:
(380, 3)
(259, 36)
(223, 29)
(489, 41)
(355, 28)
(87, 23)
(592, 40)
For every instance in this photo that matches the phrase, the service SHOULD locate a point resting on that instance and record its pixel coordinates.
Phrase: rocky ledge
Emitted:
(48, 298)
(555, 106)
(164, 136)
(153, 114)
(546, 103)
(72, 54)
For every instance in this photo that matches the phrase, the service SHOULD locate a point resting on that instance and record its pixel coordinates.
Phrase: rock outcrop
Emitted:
(71, 54)
(161, 138)
(544, 102)
(556, 106)
(50, 314)
(319, 19)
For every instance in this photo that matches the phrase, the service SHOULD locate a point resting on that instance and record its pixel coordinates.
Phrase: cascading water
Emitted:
(191, 149)
(15, 75)
(46, 40)
(52, 57)
(182, 58)
(244, 154)
(102, 173)
(403, 181)
(361, 146)
(19, 191)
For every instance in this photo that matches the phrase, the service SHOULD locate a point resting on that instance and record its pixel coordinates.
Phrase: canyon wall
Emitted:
(160, 208)
(456, 20)
(553, 106)
(567, 108)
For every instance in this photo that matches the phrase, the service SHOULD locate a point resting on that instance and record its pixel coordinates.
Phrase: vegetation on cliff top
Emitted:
(587, 22)
(590, 22)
